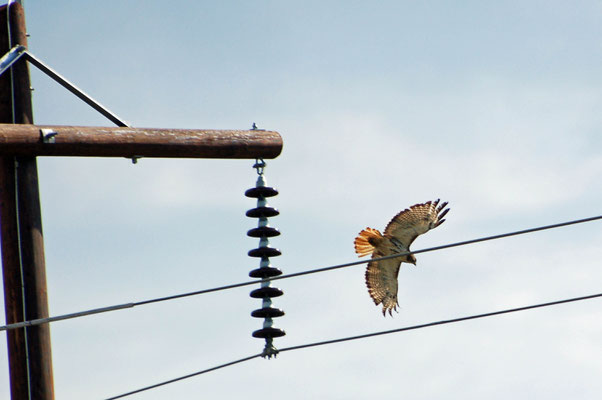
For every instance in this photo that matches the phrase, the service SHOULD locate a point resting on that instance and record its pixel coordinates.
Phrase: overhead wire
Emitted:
(185, 377)
(367, 335)
(443, 322)
(287, 276)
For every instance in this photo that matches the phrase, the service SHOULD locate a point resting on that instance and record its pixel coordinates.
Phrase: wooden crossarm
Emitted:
(85, 141)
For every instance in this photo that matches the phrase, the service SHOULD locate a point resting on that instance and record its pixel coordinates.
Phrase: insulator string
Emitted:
(265, 271)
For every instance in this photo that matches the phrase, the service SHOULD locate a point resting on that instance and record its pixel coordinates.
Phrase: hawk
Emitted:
(381, 276)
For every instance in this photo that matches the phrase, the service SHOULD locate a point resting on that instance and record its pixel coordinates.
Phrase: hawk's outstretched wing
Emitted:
(381, 279)
(416, 220)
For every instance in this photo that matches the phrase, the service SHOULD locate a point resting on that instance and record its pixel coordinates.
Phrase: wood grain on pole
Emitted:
(86, 141)
(23, 267)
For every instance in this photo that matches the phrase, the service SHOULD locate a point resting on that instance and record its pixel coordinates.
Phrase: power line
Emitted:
(184, 377)
(445, 246)
(40, 321)
(287, 276)
(443, 322)
(368, 335)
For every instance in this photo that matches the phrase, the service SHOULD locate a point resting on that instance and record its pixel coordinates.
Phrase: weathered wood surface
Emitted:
(87, 141)
(23, 266)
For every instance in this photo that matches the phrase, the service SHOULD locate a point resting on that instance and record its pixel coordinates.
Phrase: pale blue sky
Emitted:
(492, 106)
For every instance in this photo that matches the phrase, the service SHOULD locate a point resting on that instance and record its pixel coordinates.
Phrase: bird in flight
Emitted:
(381, 276)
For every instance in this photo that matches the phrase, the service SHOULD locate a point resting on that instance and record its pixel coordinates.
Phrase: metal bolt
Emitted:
(48, 135)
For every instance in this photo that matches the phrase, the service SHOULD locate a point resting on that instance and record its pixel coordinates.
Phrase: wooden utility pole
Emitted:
(25, 295)
(23, 269)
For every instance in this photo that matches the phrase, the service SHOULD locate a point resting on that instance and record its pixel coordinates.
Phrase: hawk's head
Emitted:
(411, 259)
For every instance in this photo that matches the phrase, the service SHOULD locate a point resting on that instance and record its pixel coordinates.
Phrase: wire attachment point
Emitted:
(259, 165)
(269, 350)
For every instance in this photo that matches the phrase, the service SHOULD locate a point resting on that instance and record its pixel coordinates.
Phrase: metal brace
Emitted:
(8, 59)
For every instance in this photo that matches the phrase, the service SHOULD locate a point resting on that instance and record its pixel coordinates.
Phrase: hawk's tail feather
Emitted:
(363, 247)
